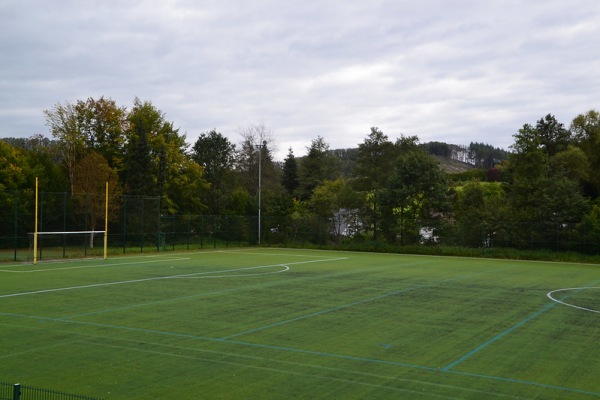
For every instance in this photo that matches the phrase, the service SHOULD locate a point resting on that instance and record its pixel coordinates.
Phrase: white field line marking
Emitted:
(278, 254)
(78, 260)
(97, 266)
(170, 257)
(549, 294)
(155, 278)
(73, 260)
(35, 350)
(260, 285)
(284, 269)
(70, 260)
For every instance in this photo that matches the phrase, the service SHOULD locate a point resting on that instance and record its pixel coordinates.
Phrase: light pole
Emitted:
(260, 147)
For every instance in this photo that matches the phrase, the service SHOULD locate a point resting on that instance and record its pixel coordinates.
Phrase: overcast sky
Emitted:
(454, 71)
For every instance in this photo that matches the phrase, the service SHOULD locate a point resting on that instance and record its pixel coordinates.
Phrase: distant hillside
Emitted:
(454, 166)
(453, 158)
(478, 155)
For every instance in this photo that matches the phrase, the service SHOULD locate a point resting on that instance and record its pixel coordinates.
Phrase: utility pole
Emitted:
(260, 150)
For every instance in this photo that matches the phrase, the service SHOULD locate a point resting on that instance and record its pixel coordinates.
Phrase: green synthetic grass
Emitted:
(298, 324)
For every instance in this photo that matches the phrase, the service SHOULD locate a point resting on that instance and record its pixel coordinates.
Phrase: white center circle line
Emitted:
(550, 296)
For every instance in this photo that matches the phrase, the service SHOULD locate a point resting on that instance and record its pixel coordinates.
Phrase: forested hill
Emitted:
(452, 157)
(478, 155)
(454, 166)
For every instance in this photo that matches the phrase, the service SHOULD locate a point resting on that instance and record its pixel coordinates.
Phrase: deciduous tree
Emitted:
(257, 143)
(586, 133)
(416, 190)
(479, 209)
(217, 155)
(337, 203)
(64, 124)
(156, 157)
(103, 125)
(91, 173)
(541, 192)
(553, 135)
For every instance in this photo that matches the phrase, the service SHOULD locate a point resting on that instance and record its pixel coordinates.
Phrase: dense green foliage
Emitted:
(543, 194)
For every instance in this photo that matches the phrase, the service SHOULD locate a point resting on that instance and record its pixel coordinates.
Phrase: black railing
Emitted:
(16, 391)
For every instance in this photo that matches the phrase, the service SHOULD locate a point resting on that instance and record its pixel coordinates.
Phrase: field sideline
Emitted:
(265, 323)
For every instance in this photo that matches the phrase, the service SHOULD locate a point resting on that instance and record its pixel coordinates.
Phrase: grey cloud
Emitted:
(456, 71)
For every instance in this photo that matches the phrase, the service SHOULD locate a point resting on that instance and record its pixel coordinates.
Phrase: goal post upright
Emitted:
(106, 224)
(35, 230)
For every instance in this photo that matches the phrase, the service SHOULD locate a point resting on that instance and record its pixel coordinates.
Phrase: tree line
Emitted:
(545, 190)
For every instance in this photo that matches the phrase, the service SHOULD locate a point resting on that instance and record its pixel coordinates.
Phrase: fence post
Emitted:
(17, 391)
(64, 227)
(16, 224)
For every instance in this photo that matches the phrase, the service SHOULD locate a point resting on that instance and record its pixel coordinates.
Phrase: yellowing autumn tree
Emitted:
(90, 175)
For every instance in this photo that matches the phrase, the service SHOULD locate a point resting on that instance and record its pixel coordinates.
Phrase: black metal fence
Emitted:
(16, 391)
(136, 225)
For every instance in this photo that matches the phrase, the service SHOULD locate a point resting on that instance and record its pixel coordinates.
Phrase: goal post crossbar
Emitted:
(64, 233)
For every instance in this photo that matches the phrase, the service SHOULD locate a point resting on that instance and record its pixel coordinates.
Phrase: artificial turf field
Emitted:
(297, 324)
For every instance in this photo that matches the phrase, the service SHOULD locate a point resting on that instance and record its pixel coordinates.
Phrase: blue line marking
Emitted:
(524, 382)
(499, 336)
(358, 302)
(447, 369)
(321, 312)
(309, 352)
(509, 330)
